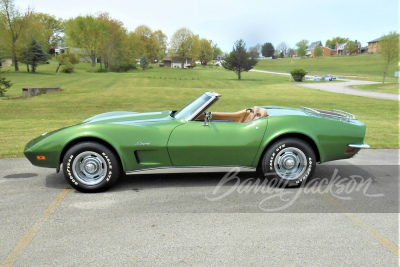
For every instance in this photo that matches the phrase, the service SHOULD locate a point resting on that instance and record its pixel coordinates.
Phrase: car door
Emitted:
(219, 143)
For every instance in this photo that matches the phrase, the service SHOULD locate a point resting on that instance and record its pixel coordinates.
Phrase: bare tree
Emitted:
(291, 52)
(16, 22)
(283, 48)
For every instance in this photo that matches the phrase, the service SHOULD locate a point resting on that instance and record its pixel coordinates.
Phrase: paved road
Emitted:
(343, 87)
(176, 220)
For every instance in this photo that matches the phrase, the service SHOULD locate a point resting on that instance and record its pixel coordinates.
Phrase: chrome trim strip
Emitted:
(190, 169)
(359, 146)
(197, 113)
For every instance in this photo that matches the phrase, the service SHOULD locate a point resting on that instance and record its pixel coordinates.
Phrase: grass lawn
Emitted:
(387, 87)
(85, 94)
(362, 67)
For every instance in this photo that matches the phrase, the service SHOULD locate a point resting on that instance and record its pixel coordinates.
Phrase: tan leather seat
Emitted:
(255, 114)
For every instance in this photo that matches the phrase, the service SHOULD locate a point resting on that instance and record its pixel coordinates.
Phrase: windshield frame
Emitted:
(188, 113)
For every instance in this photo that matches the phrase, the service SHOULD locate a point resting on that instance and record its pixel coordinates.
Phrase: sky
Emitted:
(254, 21)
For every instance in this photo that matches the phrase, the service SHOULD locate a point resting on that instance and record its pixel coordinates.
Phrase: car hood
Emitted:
(125, 116)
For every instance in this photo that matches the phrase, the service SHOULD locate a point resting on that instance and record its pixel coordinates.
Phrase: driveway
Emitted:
(180, 220)
(343, 87)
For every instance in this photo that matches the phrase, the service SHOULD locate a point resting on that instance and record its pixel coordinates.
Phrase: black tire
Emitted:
(290, 160)
(91, 167)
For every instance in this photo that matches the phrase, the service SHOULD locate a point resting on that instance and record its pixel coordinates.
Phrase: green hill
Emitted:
(364, 67)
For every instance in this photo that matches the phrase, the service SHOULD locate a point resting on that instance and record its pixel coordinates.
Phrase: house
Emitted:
(6, 62)
(325, 51)
(176, 62)
(312, 46)
(373, 46)
(340, 48)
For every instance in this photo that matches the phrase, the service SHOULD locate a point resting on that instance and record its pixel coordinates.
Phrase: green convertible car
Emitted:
(280, 142)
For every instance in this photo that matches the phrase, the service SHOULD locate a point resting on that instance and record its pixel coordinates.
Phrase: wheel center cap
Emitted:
(289, 163)
(90, 167)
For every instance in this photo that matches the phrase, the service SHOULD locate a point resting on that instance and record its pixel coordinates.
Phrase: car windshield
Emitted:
(188, 112)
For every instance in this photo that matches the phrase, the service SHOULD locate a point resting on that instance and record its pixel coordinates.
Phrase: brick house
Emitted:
(172, 62)
(341, 51)
(326, 52)
(312, 46)
(373, 45)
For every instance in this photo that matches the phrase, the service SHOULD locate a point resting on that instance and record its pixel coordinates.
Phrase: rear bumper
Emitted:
(359, 146)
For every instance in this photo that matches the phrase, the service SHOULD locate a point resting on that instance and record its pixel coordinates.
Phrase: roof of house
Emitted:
(375, 40)
(315, 44)
(167, 59)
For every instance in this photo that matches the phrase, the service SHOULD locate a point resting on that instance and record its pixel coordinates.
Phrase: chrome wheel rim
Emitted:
(290, 163)
(90, 168)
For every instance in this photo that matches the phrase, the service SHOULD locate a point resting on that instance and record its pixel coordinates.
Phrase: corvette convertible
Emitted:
(280, 142)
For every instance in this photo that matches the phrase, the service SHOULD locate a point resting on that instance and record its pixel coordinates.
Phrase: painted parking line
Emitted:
(35, 229)
(360, 223)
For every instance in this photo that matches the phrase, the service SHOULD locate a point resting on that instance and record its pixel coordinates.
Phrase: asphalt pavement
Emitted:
(342, 87)
(346, 215)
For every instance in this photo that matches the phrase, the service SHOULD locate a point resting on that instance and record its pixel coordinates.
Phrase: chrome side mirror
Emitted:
(207, 118)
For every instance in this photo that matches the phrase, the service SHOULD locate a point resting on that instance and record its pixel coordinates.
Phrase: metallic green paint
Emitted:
(156, 139)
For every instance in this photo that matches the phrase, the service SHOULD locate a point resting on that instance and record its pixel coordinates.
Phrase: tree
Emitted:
(302, 43)
(162, 43)
(301, 51)
(4, 84)
(143, 62)
(332, 43)
(49, 30)
(114, 33)
(267, 50)
(239, 59)
(291, 52)
(66, 59)
(318, 51)
(283, 48)
(216, 50)
(388, 47)
(181, 44)
(34, 56)
(276, 53)
(350, 47)
(147, 41)
(254, 52)
(87, 33)
(16, 22)
(205, 52)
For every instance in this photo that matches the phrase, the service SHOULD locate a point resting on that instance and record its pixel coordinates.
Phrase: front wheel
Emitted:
(91, 167)
(290, 160)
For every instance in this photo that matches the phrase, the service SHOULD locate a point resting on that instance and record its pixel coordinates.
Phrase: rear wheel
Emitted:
(290, 160)
(91, 167)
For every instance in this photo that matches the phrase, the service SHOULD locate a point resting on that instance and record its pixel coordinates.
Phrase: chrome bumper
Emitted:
(359, 146)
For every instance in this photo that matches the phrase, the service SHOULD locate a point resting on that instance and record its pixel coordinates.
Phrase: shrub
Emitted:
(161, 65)
(68, 68)
(124, 67)
(298, 74)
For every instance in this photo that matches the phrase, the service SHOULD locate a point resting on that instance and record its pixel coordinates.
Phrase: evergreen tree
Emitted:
(4, 84)
(239, 59)
(34, 56)
(267, 50)
(143, 62)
